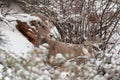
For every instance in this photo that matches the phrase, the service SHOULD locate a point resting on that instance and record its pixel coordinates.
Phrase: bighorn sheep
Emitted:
(35, 34)
(42, 35)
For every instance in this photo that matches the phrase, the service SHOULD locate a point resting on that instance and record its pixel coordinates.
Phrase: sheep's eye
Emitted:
(51, 35)
(43, 27)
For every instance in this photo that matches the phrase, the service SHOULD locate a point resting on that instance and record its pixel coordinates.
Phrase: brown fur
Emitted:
(67, 49)
(44, 19)
(34, 35)
(71, 50)
(27, 31)
(43, 29)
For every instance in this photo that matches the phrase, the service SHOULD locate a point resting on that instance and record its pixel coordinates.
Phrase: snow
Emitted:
(1, 76)
(99, 77)
(26, 62)
(64, 75)
(55, 32)
(1, 68)
(59, 56)
(7, 78)
(21, 16)
(17, 43)
(44, 77)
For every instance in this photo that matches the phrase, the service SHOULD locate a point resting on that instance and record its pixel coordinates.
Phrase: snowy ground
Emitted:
(16, 42)
(19, 60)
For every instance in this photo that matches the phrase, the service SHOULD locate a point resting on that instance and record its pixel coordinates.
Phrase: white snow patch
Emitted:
(17, 43)
(59, 56)
(99, 77)
(44, 77)
(1, 68)
(22, 16)
(55, 32)
(63, 75)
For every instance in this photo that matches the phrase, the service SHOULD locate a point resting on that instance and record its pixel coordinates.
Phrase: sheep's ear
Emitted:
(51, 36)
(47, 22)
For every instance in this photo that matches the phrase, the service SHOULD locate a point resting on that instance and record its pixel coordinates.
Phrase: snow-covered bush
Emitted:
(36, 67)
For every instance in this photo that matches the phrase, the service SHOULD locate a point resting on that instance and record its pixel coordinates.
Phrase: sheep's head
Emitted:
(43, 30)
(29, 32)
(36, 32)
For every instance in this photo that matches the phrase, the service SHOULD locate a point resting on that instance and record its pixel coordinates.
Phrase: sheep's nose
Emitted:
(51, 35)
